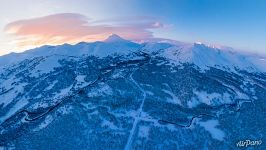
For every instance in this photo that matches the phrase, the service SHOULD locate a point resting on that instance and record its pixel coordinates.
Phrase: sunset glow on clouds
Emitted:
(73, 28)
(31, 23)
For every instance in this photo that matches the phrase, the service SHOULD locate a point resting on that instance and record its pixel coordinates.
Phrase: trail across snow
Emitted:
(138, 115)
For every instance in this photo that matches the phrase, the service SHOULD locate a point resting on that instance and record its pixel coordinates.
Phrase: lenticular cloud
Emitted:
(73, 28)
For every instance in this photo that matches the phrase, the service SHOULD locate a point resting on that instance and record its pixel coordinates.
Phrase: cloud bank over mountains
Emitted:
(73, 28)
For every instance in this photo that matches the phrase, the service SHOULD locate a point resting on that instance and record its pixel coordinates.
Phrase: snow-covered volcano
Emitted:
(117, 94)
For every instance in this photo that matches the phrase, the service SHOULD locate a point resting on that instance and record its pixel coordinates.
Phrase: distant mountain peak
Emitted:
(114, 38)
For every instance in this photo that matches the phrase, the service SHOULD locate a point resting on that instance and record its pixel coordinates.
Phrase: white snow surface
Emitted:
(144, 131)
(81, 78)
(199, 54)
(49, 119)
(211, 127)
(20, 104)
(11, 90)
(51, 85)
(174, 99)
(205, 57)
(47, 65)
(211, 98)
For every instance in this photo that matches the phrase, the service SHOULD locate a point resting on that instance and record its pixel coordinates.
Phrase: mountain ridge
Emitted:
(134, 96)
(202, 55)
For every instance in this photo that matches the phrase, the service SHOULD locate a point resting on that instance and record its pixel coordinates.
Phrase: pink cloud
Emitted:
(73, 28)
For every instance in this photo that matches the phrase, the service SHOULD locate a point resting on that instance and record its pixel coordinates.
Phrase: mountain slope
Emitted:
(198, 54)
(110, 46)
(118, 94)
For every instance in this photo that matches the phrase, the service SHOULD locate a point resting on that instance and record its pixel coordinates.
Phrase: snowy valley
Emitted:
(117, 94)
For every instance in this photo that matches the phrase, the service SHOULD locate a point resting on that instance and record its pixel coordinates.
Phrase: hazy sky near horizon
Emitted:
(30, 23)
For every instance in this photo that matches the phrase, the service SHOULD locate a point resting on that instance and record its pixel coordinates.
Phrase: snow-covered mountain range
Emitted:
(117, 94)
(199, 54)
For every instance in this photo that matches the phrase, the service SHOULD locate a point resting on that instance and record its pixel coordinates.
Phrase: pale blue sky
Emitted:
(237, 23)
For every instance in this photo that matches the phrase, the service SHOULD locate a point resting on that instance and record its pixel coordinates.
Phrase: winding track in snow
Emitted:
(101, 77)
